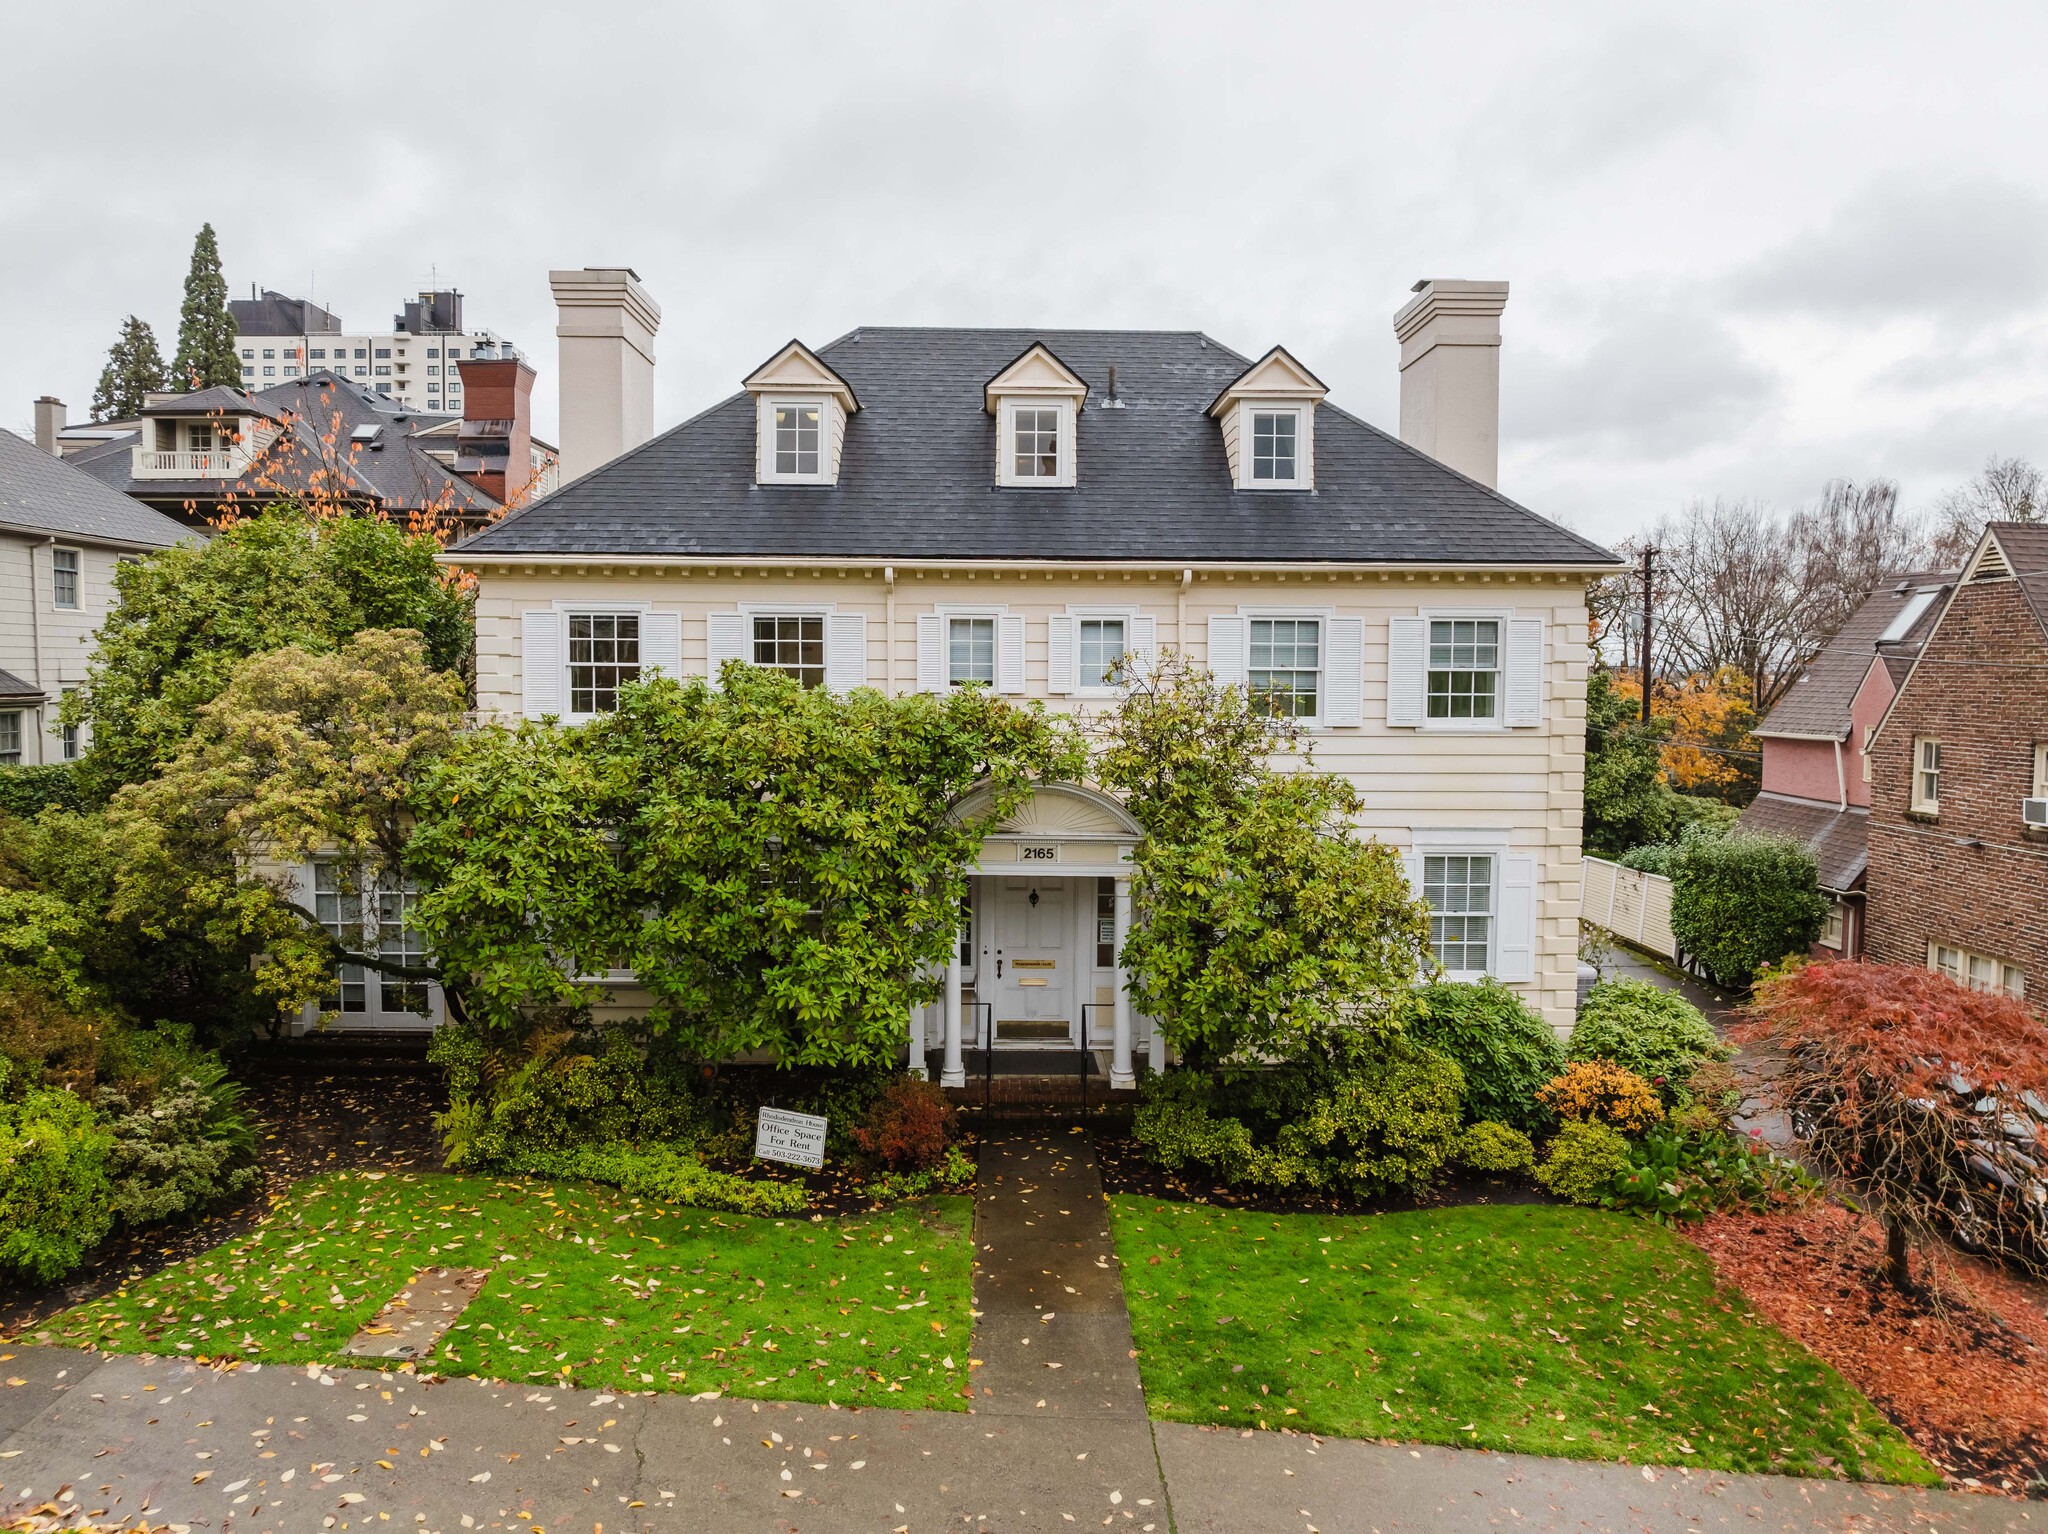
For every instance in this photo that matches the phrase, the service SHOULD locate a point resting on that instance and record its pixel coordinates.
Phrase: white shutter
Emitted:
(1344, 671)
(725, 638)
(1060, 673)
(661, 644)
(1144, 646)
(1525, 671)
(1010, 653)
(1226, 650)
(540, 662)
(846, 651)
(1514, 945)
(1411, 865)
(1407, 664)
(931, 653)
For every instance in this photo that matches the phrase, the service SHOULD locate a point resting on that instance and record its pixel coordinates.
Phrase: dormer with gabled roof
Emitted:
(1037, 402)
(1268, 415)
(800, 411)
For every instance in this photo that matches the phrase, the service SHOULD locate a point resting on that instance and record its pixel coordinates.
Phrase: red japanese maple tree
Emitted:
(1925, 1103)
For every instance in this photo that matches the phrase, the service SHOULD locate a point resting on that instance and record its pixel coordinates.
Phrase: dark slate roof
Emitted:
(46, 494)
(1818, 703)
(916, 478)
(14, 690)
(400, 475)
(1839, 839)
(221, 399)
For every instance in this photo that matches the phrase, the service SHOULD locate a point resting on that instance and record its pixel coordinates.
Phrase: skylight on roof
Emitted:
(1902, 624)
(367, 432)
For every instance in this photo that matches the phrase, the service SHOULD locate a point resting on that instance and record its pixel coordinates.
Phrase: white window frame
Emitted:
(1062, 477)
(993, 617)
(1960, 965)
(1451, 845)
(1502, 619)
(1834, 927)
(77, 574)
(822, 611)
(13, 737)
(1918, 801)
(2040, 770)
(1321, 617)
(1249, 412)
(765, 427)
(564, 612)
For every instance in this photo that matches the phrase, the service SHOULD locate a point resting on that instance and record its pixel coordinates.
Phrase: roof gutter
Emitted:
(1411, 569)
(73, 535)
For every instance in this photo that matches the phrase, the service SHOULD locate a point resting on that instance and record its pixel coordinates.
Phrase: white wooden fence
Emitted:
(1630, 904)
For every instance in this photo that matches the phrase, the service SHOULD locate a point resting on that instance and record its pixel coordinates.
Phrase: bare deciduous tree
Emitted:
(2008, 490)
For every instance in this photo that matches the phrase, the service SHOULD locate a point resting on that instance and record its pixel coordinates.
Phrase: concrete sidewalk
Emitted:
(279, 1449)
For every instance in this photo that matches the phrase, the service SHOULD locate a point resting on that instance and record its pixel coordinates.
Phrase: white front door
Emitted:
(1031, 944)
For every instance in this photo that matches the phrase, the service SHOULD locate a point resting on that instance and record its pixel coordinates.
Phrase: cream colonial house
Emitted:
(913, 509)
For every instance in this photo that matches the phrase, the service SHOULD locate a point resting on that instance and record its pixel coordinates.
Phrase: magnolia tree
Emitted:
(1264, 921)
(1923, 1102)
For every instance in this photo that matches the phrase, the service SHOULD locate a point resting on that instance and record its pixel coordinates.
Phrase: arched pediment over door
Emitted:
(1060, 828)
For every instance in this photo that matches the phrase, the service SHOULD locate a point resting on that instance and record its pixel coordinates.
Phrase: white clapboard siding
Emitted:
(541, 662)
(1514, 946)
(1143, 646)
(1629, 903)
(1407, 670)
(725, 638)
(1226, 649)
(846, 651)
(1010, 653)
(1344, 672)
(1061, 676)
(931, 653)
(661, 644)
(1525, 672)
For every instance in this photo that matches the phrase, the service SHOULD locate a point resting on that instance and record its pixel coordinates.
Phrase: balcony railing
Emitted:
(154, 463)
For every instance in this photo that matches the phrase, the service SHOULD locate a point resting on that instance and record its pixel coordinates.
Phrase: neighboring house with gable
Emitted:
(1958, 875)
(1816, 778)
(62, 533)
(922, 509)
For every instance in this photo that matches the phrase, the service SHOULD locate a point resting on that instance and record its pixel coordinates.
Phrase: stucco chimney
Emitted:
(50, 423)
(1450, 373)
(606, 330)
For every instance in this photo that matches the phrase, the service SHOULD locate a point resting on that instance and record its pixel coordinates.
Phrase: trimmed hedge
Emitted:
(1741, 903)
(1505, 1049)
(28, 791)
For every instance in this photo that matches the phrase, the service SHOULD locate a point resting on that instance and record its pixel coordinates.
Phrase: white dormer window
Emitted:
(1037, 402)
(1268, 417)
(800, 412)
(1035, 442)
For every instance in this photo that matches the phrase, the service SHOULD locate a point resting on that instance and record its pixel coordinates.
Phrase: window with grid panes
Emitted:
(1285, 665)
(10, 735)
(1105, 924)
(604, 655)
(1035, 431)
(970, 651)
(1464, 668)
(1458, 888)
(64, 565)
(793, 644)
(1102, 647)
(1273, 445)
(796, 439)
(1927, 774)
(397, 941)
(340, 911)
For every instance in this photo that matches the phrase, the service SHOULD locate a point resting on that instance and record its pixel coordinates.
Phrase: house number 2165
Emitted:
(1043, 854)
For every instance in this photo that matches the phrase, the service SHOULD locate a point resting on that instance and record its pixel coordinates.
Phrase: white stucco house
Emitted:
(929, 508)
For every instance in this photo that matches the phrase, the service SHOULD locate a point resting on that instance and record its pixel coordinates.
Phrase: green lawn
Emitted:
(586, 1286)
(1532, 1328)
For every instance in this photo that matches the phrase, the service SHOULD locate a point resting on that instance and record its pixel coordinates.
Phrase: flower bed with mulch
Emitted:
(1961, 1366)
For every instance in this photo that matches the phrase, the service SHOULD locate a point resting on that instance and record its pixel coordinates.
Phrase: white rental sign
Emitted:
(798, 1138)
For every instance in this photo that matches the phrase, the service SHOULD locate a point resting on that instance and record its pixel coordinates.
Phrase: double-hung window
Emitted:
(1926, 775)
(604, 655)
(1464, 668)
(1103, 645)
(340, 912)
(1285, 665)
(10, 736)
(1276, 447)
(64, 578)
(1458, 888)
(970, 652)
(1035, 442)
(798, 434)
(1980, 972)
(792, 643)
(398, 942)
(1105, 924)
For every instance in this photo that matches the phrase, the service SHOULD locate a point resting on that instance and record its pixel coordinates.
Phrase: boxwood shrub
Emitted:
(1648, 1029)
(1504, 1048)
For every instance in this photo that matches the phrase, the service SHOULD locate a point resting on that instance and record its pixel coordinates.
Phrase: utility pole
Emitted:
(1649, 603)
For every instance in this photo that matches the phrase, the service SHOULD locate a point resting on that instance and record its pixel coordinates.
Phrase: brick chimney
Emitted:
(1450, 374)
(606, 333)
(494, 443)
(50, 423)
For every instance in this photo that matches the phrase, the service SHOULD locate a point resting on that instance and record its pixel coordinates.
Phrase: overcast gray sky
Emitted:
(1751, 246)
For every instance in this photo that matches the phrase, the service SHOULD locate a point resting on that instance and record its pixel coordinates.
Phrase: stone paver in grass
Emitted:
(585, 1286)
(417, 1317)
(1529, 1328)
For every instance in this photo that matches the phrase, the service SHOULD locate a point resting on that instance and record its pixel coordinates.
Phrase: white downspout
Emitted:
(35, 625)
(1180, 613)
(1841, 782)
(889, 630)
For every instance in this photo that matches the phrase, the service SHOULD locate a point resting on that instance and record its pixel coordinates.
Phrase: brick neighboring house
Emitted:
(1815, 786)
(1958, 881)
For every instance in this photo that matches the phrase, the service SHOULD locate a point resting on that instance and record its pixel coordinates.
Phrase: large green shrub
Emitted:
(1178, 1126)
(1740, 903)
(1584, 1160)
(26, 792)
(1647, 1029)
(1504, 1048)
(181, 1140)
(55, 1201)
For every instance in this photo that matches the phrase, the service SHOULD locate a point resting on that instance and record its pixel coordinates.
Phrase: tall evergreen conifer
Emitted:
(206, 330)
(135, 368)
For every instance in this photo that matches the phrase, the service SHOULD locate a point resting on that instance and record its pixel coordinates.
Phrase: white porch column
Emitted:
(955, 1072)
(1120, 1073)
